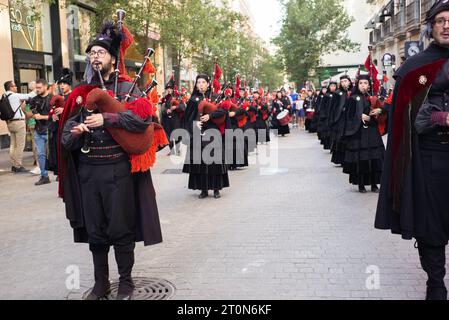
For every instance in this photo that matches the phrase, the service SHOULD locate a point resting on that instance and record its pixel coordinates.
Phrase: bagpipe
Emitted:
(207, 107)
(376, 103)
(57, 101)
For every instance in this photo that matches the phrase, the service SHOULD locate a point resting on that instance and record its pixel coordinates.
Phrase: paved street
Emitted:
(300, 232)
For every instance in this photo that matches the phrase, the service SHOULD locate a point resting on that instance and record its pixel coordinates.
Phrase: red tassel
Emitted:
(149, 68)
(216, 86)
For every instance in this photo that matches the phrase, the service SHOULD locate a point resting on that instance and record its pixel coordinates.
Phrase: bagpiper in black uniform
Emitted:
(107, 204)
(337, 120)
(172, 115)
(364, 154)
(324, 132)
(415, 184)
(204, 176)
(317, 107)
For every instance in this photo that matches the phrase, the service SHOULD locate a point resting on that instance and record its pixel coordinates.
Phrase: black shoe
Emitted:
(124, 256)
(217, 194)
(42, 180)
(204, 194)
(13, 169)
(374, 189)
(362, 189)
(436, 293)
(21, 170)
(102, 285)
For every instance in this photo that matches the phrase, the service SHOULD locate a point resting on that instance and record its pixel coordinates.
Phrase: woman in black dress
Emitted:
(364, 155)
(204, 176)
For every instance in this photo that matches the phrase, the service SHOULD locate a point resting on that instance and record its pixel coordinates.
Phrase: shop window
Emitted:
(30, 28)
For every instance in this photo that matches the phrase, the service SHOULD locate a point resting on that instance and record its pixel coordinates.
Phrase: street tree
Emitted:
(310, 29)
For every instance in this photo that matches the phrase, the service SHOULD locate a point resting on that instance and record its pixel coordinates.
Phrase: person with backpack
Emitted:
(11, 111)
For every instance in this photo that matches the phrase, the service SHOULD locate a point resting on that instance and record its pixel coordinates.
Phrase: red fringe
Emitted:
(143, 162)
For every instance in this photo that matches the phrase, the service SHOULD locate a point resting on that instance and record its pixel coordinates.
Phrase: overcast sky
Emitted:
(267, 16)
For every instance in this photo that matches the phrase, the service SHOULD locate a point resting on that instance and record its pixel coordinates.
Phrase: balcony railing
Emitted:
(412, 15)
(399, 21)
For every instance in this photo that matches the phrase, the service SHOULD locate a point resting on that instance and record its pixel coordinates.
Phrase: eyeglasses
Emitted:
(440, 22)
(100, 53)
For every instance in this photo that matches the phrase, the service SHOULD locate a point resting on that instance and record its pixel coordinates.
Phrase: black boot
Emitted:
(362, 189)
(374, 188)
(204, 194)
(433, 260)
(101, 272)
(217, 194)
(124, 256)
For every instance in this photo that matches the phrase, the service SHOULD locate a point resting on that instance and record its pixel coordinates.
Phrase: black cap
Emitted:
(439, 6)
(345, 76)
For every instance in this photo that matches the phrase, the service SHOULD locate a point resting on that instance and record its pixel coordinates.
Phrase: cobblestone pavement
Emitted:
(298, 232)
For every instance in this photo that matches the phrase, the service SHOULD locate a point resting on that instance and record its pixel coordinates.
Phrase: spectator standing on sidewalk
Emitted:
(31, 124)
(17, 125)
(40, 108)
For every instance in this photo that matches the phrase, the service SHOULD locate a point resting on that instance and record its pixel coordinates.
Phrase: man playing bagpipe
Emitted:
(107, 148)
(415, 183)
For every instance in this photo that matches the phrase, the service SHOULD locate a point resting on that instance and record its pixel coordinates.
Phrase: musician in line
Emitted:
(309, 111)
(277, 107)
(238, 118)
(106, 203)
(325, 110)
(415, 188)
(172, 113)
(65, 88)
(203, 176)
(364, 154)
(337, 120)
(263, 114)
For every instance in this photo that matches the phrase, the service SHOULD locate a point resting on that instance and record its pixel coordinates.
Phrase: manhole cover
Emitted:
(172, 171)
(146, 289)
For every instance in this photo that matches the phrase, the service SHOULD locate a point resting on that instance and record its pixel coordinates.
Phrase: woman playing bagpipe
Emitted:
(324, 130)
(317, 108)
(238, 119)
(202, 113)
(172, 111)
(337, 120)
(263, 113)
(106, 150)
(364, 154)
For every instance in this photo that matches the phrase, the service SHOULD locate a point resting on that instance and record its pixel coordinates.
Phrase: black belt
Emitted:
(15, 120)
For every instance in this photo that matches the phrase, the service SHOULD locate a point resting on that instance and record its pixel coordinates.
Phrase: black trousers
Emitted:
(108, 203)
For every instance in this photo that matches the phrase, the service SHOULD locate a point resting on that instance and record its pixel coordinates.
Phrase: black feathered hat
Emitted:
(109, 38)
(67, 77)
(439, 6)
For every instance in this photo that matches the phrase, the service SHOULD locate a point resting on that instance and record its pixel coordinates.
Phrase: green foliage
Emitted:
(310, 29)
(191, 30)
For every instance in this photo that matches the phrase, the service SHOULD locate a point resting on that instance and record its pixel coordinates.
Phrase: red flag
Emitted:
(372, 70)
(217, 76)
(237, 87)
